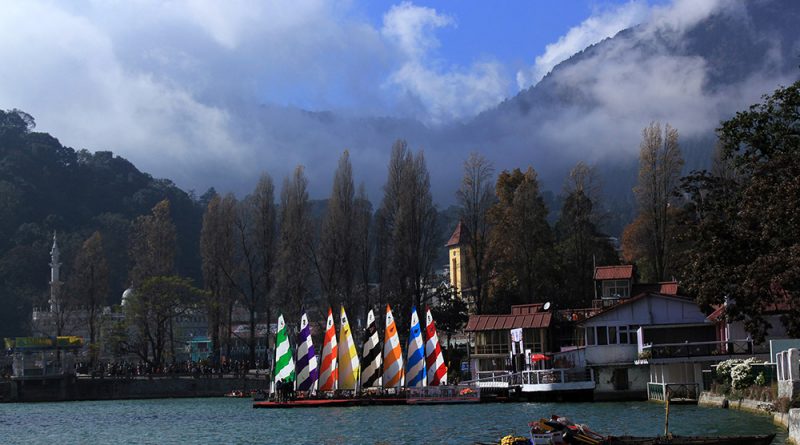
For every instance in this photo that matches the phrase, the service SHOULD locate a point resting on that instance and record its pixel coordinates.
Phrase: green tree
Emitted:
(743, 217)
(152, 245)
(522, 240)
(156, 302)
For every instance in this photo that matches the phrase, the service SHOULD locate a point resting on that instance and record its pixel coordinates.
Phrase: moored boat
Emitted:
(560, 430)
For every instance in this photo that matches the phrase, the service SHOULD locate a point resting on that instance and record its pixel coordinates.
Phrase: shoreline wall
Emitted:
(72, 389)
(790, 420)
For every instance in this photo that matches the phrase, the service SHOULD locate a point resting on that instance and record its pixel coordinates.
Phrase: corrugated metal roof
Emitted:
(613, 272)
(506, 322)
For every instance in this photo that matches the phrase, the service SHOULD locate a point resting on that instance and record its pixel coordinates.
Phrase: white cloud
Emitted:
(590, 31)
(627, 83)
(445, 94)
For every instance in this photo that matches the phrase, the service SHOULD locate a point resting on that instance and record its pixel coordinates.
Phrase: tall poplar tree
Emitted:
(407, 220)
(660, 165)
(294, 246)
(337, 256)
(476, 197)
(579, 241)
(216, 249)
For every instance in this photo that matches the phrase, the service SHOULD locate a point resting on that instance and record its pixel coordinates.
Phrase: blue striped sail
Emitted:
(306, 358)
(415, 365)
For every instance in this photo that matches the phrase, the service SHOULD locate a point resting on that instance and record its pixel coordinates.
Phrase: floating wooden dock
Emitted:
(435, 395)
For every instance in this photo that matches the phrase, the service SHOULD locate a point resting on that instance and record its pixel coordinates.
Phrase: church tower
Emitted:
(55, 280)
(457, 253)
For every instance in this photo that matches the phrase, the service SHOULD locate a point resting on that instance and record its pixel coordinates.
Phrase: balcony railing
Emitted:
(696, 349)
(682, 391)
(579, 377)
(550, 376)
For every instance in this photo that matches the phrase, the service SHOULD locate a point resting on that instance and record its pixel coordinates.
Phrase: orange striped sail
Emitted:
(392, 354)
(329, 372)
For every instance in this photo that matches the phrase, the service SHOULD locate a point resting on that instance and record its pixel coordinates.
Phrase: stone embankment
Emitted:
(71, 388)
(790, 420)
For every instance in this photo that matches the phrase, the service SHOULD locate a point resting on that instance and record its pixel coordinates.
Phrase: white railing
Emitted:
(562, 377)
(551, 376)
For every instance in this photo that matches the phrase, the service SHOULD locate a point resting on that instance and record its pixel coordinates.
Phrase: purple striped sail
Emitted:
(306, 358)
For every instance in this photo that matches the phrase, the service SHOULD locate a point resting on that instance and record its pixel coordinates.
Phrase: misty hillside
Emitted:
(591, 107)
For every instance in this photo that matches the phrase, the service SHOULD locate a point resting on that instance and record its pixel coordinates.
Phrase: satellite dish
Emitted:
(546, 306)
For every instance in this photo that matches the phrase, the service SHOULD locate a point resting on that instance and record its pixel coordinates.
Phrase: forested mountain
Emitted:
(690, 72)
(592, 107)
(46, 187)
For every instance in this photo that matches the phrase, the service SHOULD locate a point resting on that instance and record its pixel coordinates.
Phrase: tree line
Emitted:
(727, 234)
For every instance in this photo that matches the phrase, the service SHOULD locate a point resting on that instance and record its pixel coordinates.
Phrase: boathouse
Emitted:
(492, 350)
(625, 345)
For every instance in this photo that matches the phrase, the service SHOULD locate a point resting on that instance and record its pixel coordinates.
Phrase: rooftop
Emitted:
(613, 272)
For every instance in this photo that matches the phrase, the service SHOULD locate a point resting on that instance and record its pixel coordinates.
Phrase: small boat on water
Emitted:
(238, 393)
(560, 430)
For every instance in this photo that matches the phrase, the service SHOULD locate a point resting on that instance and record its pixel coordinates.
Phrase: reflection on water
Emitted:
(214, 421)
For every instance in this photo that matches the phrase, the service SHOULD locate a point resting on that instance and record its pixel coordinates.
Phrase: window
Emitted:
(623, 335)
(590, 338)
(612, 335)
(532, 339)
(602, 335)
(616, 289)
(492, 342)
(633, 337)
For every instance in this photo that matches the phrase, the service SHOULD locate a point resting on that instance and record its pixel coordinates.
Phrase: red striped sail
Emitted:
(329, 372)
(437, 370)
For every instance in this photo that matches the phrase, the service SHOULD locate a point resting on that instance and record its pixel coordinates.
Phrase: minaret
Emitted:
(55, 281)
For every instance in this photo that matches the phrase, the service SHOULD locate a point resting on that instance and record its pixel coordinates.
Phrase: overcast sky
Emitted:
(167, 84)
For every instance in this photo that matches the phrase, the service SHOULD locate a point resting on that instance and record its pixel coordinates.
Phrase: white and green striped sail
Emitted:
(284, 363)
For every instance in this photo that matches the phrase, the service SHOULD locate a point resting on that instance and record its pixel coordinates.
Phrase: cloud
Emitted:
(439, 94)
(653, 74)
(592, 30)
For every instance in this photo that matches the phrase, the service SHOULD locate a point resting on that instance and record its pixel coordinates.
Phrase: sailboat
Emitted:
(348, 357)
(329, 372)
(437, 370)
(415, 376)
(284, 364)
(306, 358)
(392, 354)
(371, 355)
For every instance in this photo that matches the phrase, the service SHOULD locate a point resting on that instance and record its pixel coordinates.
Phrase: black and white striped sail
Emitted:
(371, 355)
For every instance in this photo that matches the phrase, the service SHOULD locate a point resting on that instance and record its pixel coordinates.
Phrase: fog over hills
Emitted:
(690, 68)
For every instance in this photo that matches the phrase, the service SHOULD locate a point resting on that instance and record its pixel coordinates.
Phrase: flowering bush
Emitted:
(742, 375)
(737, 373)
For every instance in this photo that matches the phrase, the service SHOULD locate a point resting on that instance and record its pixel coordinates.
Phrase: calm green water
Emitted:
(222, 421)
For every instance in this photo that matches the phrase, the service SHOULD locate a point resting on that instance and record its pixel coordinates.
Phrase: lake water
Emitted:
(223, 421)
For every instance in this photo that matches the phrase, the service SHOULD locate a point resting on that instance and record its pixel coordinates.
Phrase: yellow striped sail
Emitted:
(348, 356)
